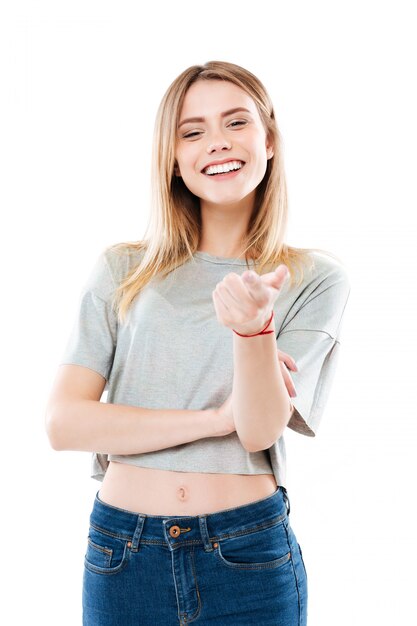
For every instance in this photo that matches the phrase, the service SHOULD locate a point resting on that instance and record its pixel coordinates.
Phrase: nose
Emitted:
(220, 144)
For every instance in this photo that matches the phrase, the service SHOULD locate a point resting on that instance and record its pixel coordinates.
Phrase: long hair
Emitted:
(174, 228)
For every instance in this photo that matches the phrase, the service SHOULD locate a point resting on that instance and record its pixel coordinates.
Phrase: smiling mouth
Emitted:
(223, 168)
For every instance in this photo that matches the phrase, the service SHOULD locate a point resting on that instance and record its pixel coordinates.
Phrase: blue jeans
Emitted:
(232, 567)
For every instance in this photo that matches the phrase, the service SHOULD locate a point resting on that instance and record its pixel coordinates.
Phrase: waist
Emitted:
(164, 492)
(153, 530)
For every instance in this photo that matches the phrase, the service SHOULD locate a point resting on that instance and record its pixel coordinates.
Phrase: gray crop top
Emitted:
(172, 353)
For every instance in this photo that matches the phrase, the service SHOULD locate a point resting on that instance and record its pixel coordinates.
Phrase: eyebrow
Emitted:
(224, 114)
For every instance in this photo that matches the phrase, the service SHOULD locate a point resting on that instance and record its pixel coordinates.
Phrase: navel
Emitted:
(182, 493)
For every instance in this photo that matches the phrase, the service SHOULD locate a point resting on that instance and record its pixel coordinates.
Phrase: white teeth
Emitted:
(224, 167)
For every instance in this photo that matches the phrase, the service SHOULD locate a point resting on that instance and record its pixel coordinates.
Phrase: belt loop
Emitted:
(138, 532)
(286, 499)
(202, 520)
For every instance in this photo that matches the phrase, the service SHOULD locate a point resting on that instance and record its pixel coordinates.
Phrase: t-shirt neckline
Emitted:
(205, 256)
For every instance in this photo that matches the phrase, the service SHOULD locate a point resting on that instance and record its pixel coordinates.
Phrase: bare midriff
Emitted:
(163, 492)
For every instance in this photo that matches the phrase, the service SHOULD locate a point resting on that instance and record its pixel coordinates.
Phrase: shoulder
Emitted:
(324, 283)
(319, 301)
(326, 270)
(110, 267)
(121, 258)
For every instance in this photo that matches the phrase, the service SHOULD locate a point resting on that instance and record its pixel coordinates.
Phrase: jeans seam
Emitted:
(110, 533)
(198, 611)
(270, 565)
(295, 577)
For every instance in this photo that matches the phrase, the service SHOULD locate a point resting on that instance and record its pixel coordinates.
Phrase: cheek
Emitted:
(190, 177)
(187, 157)
(260, 168)
(262, 156)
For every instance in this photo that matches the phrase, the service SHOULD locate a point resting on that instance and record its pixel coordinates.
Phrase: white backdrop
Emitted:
(80, 83)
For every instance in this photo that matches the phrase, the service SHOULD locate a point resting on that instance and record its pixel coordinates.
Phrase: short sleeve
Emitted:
(311, 336)
(93, 337)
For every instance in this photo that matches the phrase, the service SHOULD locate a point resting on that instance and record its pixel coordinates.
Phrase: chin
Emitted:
(224, 201)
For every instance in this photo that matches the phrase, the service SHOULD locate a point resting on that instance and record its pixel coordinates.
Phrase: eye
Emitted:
(193, 134)
(238, 122)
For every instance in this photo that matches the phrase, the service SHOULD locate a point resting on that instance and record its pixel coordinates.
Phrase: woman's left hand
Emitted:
(244, 305)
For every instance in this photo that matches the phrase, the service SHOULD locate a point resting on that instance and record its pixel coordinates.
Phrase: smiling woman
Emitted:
(196, 358)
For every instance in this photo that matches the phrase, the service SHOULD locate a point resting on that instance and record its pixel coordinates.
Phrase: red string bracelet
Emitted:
(263, 332)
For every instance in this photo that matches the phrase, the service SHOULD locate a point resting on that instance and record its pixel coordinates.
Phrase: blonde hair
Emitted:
(174, 229)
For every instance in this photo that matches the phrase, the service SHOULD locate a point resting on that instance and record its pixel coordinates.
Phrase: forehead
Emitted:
(211, 97)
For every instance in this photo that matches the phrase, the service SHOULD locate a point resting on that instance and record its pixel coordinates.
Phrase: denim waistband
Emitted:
(176, 530)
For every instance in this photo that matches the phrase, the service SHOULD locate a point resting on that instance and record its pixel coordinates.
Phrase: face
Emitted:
(219, 124)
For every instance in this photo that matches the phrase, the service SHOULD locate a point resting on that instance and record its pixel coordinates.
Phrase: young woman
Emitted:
(193, 331)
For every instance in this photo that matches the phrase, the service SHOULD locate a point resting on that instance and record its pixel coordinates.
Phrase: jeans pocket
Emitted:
(106, 553)
(262, 548)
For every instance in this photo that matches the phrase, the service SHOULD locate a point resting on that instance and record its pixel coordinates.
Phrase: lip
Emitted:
(220, 162)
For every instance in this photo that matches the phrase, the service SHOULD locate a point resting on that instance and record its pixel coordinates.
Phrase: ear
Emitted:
(269, 151)
(177, 170)
(269, 148)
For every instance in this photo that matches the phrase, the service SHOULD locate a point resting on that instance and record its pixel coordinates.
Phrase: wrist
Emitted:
(251, 329)
(214, 419)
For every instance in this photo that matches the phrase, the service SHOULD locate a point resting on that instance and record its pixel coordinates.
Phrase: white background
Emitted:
(80, 83)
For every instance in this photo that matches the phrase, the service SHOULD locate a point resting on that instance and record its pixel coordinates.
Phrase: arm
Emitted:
(310, 336)
(260, 400)
(76, 419)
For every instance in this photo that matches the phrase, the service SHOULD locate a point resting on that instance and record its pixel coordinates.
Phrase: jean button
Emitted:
(174, 531)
